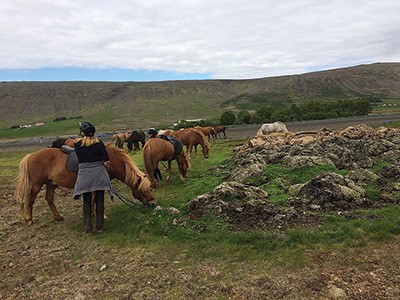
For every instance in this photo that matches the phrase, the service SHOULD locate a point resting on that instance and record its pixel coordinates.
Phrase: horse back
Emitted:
(159, 149)
(49, 165)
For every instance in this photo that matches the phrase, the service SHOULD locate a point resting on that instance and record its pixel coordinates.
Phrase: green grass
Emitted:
(210, 237)
(67, 127)
(9, 165)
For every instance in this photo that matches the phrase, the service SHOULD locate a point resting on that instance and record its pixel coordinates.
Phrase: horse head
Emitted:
(142, 190)
(124, 169)
(183, 163)
(206, 150)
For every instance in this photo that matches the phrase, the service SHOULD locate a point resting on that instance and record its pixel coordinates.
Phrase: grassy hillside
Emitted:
(119, 105)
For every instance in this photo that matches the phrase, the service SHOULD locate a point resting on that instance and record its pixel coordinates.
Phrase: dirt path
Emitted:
(232, 131)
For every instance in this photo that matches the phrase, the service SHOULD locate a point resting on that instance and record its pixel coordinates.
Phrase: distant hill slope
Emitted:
(143, 104)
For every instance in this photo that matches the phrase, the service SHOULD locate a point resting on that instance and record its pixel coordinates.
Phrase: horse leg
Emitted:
(50, 190)
(94, 206)
(27, 207)
(169, 171)
(152, 175)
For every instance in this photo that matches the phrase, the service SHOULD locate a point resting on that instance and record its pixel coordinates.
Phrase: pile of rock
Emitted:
(355, 149)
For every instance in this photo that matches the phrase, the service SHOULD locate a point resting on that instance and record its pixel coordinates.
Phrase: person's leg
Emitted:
(99, 211)
(157, 174)
(87, 212)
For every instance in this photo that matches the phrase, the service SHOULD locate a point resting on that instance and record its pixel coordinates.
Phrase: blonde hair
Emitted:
(87, 141)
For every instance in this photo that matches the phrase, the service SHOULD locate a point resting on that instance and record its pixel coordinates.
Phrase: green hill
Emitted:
(118, 105)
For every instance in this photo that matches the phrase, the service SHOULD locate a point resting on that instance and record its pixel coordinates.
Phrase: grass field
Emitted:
(224, 257)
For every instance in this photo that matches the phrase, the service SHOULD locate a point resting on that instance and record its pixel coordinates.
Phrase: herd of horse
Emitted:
(48, 166)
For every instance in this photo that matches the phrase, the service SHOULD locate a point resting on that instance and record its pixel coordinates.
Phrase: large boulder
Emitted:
(242, 207)
(292, 162)
(329, 191)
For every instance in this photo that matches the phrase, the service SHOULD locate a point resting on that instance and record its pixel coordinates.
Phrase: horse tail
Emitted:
(148, 166)
(23, 185)
(187, 160)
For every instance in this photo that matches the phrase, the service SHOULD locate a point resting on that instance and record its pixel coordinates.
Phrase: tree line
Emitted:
(308, 110)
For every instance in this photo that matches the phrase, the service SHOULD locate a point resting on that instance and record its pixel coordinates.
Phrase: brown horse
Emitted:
(220, 130)
(47, 166)
(158, 149)
(192, 137)
(208, 131)
(121, 138)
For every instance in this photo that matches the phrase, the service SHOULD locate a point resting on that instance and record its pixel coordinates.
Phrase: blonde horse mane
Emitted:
(23, 183)
(132, 172)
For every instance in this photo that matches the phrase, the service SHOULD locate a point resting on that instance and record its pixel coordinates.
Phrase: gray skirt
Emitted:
(92, 177)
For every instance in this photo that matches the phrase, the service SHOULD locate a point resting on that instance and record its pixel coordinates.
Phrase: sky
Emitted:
(157, 40)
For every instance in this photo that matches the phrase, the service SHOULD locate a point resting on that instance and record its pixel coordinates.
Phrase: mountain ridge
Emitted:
(165, 102)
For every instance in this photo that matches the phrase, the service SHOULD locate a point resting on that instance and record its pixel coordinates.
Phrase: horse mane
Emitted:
(132, 172)
(202, 135)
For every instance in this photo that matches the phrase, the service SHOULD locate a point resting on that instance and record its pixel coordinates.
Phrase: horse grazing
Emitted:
(136, 138)
(208, 131)
(192, 137)
(159, 149)
(220, 130)
(272, 127)
(48, 167)
(121, 138)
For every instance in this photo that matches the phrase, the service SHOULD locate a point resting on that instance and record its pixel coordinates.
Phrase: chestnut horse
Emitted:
(208, 131)
(47, 166)
(220, 130)
(191, 137)
(159, 149)
(121, 138)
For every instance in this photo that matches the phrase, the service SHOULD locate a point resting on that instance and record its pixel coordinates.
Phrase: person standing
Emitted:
(153, 134)
(92, 175)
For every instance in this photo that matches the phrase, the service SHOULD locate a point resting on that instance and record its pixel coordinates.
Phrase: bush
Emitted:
(227, 118)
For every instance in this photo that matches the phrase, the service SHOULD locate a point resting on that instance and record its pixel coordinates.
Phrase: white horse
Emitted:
(272, 127)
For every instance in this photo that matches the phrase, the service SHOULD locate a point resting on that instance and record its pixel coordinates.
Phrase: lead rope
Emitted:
(128, 202)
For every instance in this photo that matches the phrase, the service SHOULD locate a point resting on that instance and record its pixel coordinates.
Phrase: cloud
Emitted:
(227, 39)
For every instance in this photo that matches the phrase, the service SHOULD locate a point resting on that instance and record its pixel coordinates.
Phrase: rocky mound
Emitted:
(355, 149)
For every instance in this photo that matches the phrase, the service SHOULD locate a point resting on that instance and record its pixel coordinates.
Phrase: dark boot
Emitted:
(99, 195)
(87, 212)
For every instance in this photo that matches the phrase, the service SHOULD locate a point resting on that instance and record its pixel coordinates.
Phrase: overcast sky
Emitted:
(146, 40)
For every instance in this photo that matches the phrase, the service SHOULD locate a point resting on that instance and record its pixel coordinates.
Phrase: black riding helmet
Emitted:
(152, 131)
(87, 128)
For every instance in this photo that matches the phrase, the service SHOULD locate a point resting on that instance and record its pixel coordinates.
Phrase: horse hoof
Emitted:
(58, 218)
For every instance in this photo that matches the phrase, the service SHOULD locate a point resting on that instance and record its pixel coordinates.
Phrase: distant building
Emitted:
(39, 123)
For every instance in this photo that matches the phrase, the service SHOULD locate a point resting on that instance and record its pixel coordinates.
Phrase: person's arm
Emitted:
(104, 153)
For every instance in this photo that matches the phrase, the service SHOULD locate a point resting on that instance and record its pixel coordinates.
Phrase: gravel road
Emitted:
(233, 131)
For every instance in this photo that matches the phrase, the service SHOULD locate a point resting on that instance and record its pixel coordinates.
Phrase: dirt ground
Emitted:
(56, 260)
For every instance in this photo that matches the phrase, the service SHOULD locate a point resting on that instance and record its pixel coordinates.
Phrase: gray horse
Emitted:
(272, 127)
